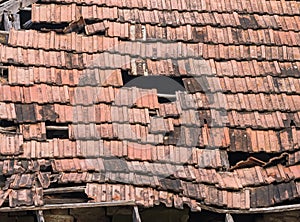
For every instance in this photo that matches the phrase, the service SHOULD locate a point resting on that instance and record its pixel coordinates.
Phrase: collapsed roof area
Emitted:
(76, 119)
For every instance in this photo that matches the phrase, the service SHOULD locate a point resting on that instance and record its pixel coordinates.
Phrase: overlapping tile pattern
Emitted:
(239, 62)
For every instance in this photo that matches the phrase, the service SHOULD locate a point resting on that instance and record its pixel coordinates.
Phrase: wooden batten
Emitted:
(136, 215)
(67, 206)
(229, 218)
(11, 21)
(40, 216)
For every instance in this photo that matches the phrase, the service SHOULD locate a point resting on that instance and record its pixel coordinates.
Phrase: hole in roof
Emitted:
(3, 75)
(2, 181)
(166, 86)
(45, 27)
(292, 123)
(25, 18)
(8, 126)
(57, 130)
(153, 113)
(171, 138)
(60, 198)
(235, 157)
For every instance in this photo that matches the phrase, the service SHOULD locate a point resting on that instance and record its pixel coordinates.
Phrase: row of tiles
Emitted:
(206, 34)
(166, 121)
(264, 6)
(246, 84)
(258, 120)
(66, 42)
(243, 140)
(107, 114)
(97, 43)
(86, 95)
(212, 196)
(238, 140)
(165, 131)
(199, 192)
(158, 50)
(274, 194)
(155, 174)
(150, 33)
(236, 110)
(167, 51)
(251, 101)
(208, 75)
(165, 18)
(107, 193)
(103, 113)
(148, 98)
(151, 173)
(231, 68)
(203, 83)
(192, 67)
(100, 113)
(134, 151)
(237, 180)
(148, 197)
(51, 76)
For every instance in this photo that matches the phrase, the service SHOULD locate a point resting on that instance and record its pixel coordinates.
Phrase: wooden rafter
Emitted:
(13, 6)
(68, 206)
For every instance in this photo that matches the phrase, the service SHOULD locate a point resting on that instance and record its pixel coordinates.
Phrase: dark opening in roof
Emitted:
(8, 126)
(57, 130)
(25, 18)
(166, 86)
(236, 157)
(63, 198)
(3, 74)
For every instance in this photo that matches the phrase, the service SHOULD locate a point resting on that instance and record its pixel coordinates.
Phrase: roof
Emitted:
(230, 141)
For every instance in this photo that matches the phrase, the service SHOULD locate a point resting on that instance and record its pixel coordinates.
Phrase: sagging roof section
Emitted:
(229, 141)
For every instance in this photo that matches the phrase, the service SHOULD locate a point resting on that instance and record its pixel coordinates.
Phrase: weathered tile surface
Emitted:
(230, 141)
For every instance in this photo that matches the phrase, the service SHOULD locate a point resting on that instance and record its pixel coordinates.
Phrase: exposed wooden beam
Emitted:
(11, 21)
(64, 190)
(229, 218)
(13, 6)
(40, 216)
(168, 96)
(9, 129)
(57, 128)
(68, 206)
(263, 210)
(26, 9)
(136, 215)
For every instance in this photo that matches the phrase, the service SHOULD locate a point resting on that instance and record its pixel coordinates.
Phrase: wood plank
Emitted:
(40, 216)
(229, 218)
(64, 190)
(136, 215)
(11, 21)
(68, 206)
(276, 209)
